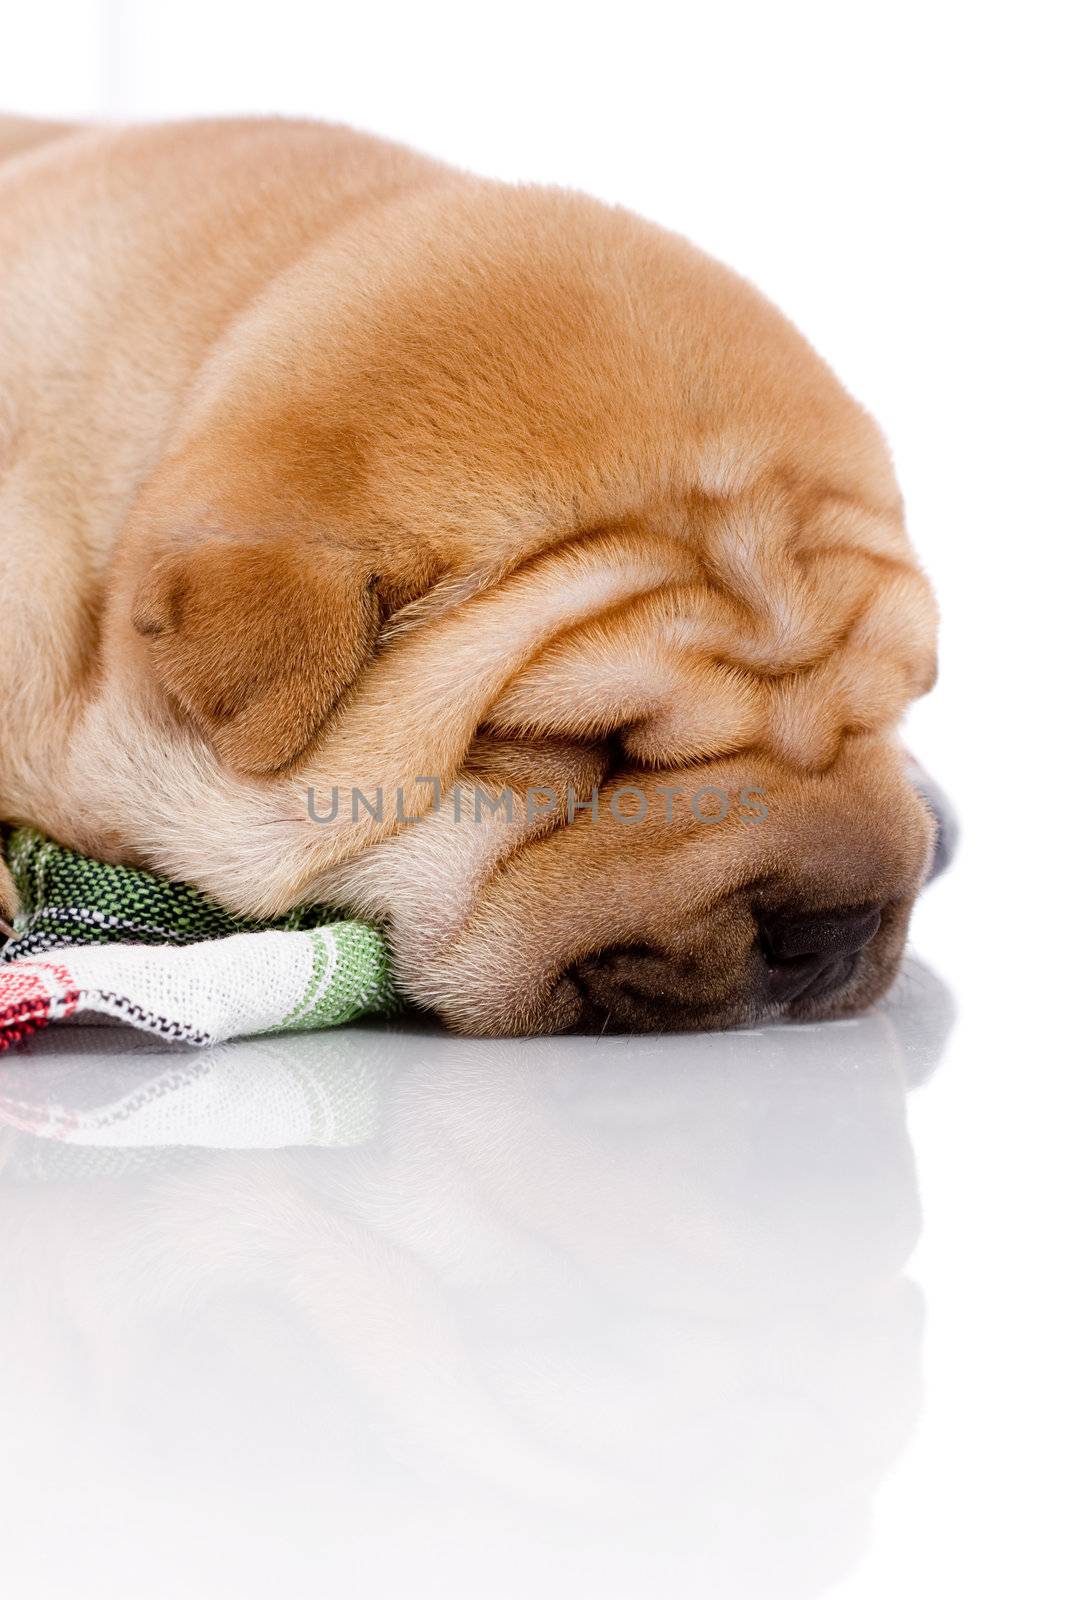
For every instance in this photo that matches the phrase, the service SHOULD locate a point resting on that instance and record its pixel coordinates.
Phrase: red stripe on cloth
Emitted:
(29, 1002)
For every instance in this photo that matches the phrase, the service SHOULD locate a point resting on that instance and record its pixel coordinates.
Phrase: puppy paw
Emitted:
(9, 904)
(258, 641)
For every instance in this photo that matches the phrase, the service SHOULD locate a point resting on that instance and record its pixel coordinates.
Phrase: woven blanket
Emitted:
(94, 941)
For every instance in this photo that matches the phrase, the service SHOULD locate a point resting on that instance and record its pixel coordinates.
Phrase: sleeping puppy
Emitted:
(481, 560)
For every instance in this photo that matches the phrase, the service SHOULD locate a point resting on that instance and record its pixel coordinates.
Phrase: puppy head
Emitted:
(660, 806)
(653, 546)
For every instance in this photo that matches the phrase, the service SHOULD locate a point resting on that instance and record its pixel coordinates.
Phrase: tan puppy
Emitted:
(324, 467)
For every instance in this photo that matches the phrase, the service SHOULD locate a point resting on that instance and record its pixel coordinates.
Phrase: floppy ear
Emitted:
(257, 640)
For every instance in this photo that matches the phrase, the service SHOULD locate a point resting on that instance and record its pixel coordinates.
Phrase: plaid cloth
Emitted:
(164, 958)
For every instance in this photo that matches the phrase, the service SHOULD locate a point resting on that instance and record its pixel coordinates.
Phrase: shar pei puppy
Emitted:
(481, 560)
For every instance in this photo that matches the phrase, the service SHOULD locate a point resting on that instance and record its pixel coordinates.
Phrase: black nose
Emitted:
(947, 834)
(809, 952)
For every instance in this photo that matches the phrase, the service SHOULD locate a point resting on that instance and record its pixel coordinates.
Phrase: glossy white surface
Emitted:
(623, 1317)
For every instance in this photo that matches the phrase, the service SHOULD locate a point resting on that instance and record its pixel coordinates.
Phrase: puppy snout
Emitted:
(809, 953)
(636, 987)
(801, 956)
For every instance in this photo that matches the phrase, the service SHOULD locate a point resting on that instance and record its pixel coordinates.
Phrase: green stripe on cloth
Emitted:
(349, 972)
(70, 899)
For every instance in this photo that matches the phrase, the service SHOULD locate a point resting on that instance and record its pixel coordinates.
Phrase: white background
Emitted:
(892, 175)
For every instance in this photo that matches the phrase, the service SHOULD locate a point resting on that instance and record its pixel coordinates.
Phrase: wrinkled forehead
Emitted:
(759, 623)
(776, 627)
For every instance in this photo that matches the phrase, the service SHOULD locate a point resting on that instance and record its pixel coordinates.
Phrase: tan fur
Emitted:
(322, 464)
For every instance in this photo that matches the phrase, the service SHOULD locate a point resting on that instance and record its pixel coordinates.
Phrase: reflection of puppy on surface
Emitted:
(647, 1307)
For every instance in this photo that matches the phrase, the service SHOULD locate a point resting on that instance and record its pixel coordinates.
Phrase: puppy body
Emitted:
(322, 465)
